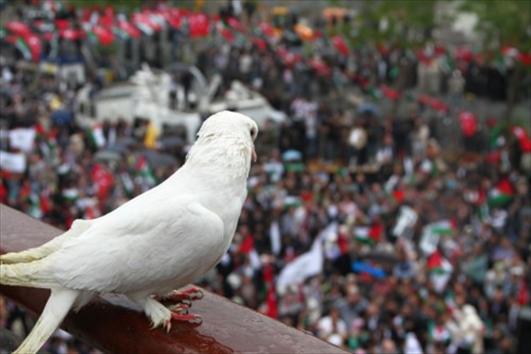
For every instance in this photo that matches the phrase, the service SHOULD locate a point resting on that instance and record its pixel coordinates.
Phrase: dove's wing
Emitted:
(168, 242)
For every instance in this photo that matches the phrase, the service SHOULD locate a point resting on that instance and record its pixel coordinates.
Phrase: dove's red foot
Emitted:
(188, 318)
(189, 294)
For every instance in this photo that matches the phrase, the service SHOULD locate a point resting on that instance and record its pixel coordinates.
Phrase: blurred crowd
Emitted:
(359, 227)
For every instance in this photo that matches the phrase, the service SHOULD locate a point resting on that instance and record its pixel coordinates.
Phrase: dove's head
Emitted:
(226, 135)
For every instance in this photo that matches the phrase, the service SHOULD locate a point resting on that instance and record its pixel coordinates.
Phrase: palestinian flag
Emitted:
(145, 172)
(496, 135)
(524, 139)
(96, 137)
(103, 35)
(35, 209)
(440, 270)
(368, 235)
(21, 45)
(127, 184)
(501, 194)
(443, 228)
(225, 32)
(431, 234)
(126, 30)
(103, 180)
(70, 194)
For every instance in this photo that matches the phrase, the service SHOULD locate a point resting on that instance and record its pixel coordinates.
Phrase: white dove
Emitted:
(159, 241)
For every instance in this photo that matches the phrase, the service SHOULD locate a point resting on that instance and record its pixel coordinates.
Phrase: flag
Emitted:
(103, 179)
(198, 25)
(12, 162)
(145, 172)
(390, 93)
(440, 270)
(70, 194)
(103, 35)
(274, 236)
(362, 235)
(302, 267)
(247, 247)
(22, 138)
(340, 45)
(468, 122)
(524, 139)
(271, 302)
(96, 136)
(126, 30)
(127, 184)
(501, 194)
(367, 268)
(431, 234)
(21, 45)
(407, 218)
(35, 206)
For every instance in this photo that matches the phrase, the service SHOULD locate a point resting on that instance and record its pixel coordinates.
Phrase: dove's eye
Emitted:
(253, 132)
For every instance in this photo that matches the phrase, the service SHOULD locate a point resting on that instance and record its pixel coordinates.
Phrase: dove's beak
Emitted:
(254, 155)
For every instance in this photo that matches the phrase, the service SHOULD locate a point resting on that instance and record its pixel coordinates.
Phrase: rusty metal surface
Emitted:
(115, 328)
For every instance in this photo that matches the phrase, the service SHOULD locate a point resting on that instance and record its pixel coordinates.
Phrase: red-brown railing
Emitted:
(114, 328)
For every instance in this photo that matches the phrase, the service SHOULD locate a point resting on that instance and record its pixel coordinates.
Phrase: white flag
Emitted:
(12, 162)
(407, 218)
(22, 138)
(302, 267)
(274, 236)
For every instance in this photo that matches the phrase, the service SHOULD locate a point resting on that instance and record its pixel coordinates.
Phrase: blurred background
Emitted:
(389, 210)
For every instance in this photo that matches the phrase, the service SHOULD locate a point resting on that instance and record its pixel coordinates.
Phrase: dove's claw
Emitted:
(189, 294)
(189, 318)
(179, 308)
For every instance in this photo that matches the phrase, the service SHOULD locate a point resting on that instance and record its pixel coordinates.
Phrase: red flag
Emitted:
(468, 123)
(434, 260)
(399, 195)
(505, 187)
(235, 24)
(267, 29)
(105, 36)
(272, 305)
(390, 93)
(340, 45)
(71, 34)
(525, 58)
(376, 231)
(227, 34)
(247, 244)
(3, 193)
(198, 25)
(103, 179)
(320, 67)
(35, 46)
(18, 28)
(128, 28)
(259, 43)
(62, 24)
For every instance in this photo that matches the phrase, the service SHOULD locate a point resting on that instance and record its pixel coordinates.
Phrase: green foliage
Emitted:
(408, 22)
(506, 22)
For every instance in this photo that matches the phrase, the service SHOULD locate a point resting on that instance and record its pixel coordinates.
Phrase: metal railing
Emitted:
(116, 328)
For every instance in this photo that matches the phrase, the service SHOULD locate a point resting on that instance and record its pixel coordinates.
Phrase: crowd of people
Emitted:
(358, 227)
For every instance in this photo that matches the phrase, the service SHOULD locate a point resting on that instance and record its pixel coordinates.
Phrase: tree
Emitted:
(505, 24)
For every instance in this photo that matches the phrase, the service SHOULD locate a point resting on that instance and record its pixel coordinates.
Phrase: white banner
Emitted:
(22, 138)
(12, 162)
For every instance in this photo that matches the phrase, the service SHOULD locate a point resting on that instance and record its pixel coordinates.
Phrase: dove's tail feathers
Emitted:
(57, 307)
(26, 274)
(78, 227)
